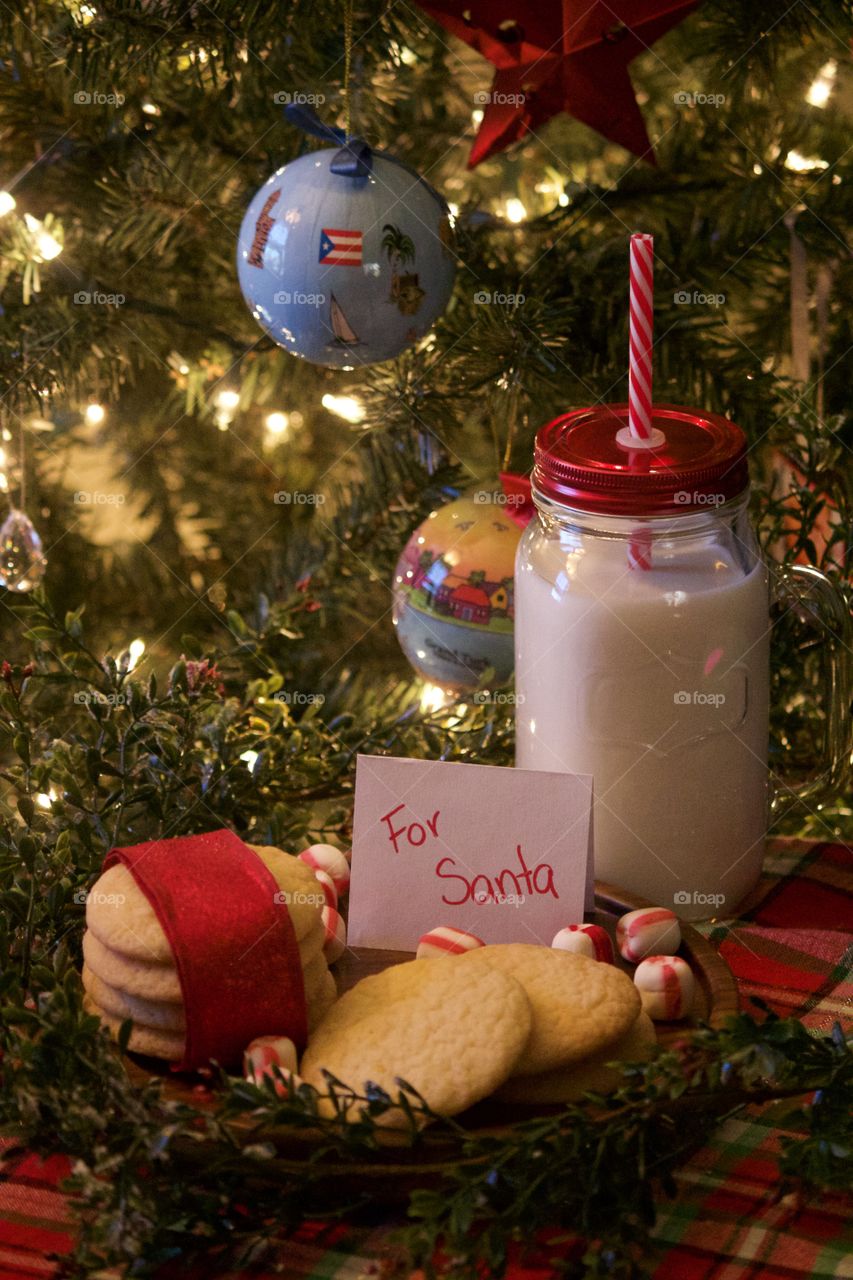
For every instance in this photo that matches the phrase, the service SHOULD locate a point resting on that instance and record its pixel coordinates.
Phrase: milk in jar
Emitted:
(642, 635)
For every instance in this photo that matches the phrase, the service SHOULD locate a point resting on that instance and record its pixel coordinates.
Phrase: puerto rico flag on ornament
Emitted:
(340, 248)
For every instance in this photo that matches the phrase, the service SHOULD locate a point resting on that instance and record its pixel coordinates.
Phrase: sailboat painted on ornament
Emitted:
(345, 335)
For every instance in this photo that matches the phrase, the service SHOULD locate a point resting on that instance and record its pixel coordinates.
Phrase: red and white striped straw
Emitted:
(642, 292)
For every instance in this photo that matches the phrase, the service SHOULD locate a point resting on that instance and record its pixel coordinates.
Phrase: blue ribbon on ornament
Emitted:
(355, 158)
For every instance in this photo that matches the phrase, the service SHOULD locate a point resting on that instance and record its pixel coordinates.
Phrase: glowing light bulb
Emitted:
(183, 369)
(95, 414)
(276, 423)
(514, 210)
(250, 757)
(821, 87)
(45, 799)
(228, 399)
(47, 246)
(562, 199)
(151, 108)
(7, 203)
(135, 650)
(804, 164)
(346, 407)
(434, 698)
(476, 116)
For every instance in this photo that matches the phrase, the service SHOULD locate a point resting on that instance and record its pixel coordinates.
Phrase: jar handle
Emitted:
(822, 605)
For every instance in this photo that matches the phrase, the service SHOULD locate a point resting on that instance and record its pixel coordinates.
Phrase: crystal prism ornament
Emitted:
(22, 561)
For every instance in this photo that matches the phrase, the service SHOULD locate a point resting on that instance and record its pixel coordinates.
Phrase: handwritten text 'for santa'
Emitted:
(509, 886)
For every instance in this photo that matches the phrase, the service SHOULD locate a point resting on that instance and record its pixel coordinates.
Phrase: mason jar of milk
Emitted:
(642, 637)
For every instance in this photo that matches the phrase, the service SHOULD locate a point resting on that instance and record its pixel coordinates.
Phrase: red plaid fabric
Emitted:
(792, 945)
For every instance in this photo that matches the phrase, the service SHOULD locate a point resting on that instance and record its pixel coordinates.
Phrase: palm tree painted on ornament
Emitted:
(405, 287)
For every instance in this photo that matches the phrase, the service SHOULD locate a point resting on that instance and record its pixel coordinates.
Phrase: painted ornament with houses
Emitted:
(345, 256)
(454, 594)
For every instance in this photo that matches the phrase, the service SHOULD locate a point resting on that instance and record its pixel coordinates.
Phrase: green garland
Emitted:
(95, 757)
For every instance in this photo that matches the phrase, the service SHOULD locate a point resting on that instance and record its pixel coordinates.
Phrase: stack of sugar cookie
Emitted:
(523, 1022)
(129, 969)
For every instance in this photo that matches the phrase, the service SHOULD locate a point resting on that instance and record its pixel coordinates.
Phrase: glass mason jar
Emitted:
(642, 633)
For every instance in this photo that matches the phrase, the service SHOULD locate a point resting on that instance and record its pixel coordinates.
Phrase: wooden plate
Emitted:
(716, 999)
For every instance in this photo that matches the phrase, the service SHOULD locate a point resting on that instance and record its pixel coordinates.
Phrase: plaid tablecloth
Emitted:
(792, 945)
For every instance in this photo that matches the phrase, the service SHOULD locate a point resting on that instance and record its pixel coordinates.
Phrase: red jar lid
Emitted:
(700, 464)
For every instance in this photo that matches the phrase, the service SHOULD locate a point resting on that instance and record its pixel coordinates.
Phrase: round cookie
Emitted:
(451, 1033)
(153, 1042)
(569, 1084)
(158, 984)
(148, 981)
(322, 1002)
(578, 1004)
(118, 1004)
(122, 918)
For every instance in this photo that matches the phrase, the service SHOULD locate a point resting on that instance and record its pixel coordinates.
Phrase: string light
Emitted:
(277, 423)
(45, 799)
(47, 246)
(821, 86)
(476, 116)
(804, 164)
(434, 698)
(346, 407)
(7, 203)
(514, 210)
(95, 414)
(250, 758)
(151, 108)
(227, 401)
(135, 650)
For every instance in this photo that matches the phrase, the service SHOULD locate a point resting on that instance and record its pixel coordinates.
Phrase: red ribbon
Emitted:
(232, 938)
(520, 506)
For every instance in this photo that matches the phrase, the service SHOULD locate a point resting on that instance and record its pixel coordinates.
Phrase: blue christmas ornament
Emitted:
(345, 256)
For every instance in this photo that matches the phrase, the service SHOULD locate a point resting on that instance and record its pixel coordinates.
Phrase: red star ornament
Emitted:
(559, 55)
